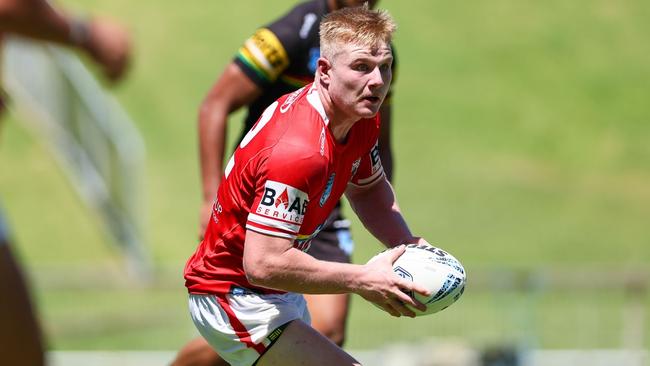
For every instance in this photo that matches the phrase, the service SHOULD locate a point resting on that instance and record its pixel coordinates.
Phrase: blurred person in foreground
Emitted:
(276, 60)
(107, 43)
(246, 278)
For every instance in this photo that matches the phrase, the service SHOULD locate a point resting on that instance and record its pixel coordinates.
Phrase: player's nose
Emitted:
(376, 78)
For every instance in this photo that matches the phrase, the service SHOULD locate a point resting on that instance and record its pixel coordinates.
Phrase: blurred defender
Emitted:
(285, 178)
(107, 43)
(276, 60)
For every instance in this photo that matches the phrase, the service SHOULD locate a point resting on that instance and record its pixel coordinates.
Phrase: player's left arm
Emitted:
(377, 208)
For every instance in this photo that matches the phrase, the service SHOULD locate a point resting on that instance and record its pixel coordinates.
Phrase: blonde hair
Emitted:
(355, 25)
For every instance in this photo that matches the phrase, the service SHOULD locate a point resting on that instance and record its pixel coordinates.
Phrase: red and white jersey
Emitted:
(283, 180)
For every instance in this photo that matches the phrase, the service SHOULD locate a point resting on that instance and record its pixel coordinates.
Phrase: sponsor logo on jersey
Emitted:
(374, 158)
(283, 199)
(290, 100)
(283, 202)
(327, 191)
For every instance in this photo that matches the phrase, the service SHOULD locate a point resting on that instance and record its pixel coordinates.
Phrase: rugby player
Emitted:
(276, 60)
(246, 278)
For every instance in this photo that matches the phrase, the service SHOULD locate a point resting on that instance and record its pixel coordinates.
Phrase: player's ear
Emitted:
(324, 67)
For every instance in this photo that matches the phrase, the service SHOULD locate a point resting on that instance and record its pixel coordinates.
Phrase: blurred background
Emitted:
(521, 147)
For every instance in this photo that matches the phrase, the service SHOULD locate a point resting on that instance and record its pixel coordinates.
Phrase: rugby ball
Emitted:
(437, 270)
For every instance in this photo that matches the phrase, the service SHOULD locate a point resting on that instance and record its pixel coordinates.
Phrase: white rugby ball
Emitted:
(435, 269)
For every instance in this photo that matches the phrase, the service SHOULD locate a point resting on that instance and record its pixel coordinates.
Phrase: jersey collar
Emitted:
(314, 100)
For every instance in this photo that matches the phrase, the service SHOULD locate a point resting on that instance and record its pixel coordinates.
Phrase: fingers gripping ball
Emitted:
(440, 272)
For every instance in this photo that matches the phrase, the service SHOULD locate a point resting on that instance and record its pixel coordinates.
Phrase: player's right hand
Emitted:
(381, 286)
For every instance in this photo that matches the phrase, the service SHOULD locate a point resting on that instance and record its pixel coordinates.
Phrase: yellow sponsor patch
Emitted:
(266, 52)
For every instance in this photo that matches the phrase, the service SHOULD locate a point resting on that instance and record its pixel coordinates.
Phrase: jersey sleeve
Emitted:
(269, 51)
(284, 184)
(368, 169)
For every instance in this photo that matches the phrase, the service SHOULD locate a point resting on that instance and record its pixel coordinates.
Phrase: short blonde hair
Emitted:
(355, 25)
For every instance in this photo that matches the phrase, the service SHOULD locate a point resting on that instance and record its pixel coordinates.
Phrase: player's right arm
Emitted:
(232, 91)
(272, 262)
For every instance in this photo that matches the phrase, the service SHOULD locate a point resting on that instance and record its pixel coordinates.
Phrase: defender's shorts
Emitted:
(242, 327)
(334, 243)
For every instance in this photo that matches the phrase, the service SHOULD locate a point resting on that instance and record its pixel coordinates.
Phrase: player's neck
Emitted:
(340, 122)
(340, 132)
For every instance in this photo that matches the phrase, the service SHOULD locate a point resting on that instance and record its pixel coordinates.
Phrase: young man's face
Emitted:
(359, 79)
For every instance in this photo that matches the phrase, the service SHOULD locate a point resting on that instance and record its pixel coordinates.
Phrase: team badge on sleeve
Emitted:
(280, 211)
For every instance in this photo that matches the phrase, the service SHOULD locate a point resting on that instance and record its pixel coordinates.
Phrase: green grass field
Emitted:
(521, 137)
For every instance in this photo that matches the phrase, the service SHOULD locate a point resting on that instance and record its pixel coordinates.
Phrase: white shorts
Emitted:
(242, 327)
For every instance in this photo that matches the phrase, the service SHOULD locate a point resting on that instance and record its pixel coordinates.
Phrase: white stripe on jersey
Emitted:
(372, 178)
(270, 232)
(267, 221)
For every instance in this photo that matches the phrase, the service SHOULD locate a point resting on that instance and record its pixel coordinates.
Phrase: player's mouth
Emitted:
(372, 99)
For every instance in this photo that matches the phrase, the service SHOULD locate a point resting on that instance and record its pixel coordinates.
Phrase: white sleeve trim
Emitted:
(271, 232)
(271, 222)
(371, 180)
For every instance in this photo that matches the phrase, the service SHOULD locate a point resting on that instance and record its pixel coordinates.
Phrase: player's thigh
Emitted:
(329, 313)
(300, 344)
(198, 352)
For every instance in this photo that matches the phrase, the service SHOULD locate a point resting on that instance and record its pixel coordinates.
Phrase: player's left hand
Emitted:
(386, 289)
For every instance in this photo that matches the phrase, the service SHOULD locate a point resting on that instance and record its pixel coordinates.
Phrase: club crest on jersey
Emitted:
(327, 191)
(283, 202)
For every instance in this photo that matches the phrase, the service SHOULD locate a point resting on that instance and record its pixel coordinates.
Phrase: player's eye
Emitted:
(361, 67)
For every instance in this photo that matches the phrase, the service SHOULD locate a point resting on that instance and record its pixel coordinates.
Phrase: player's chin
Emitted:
(367, 113)
(368, 109)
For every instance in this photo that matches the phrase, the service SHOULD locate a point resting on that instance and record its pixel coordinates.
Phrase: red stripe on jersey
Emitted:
(239, 328)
